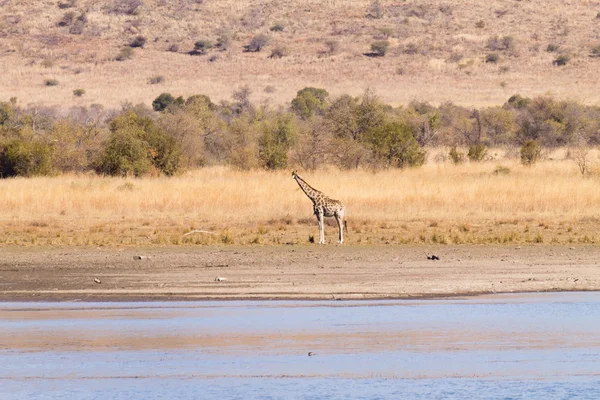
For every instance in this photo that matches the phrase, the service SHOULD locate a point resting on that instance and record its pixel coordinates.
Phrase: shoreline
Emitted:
(292, 273)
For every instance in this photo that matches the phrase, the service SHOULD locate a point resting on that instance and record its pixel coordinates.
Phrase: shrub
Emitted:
(386, 32)
(174, 48)
(78, 92)
(258, 42)
(224, 40)
(596, 51)
(136, 145)
(67, 4)
(530, 152)
(274, 143)
(164, 100)
(501, 170)
(25, 158)
(477, 152)
(492, 58)
(503, 43)
(380, 47)
(202, 47)
(156, 79)
(375, 10)
(125, 54)
(278, 26)
(279, 52)
(517, 101)
(480, 24)
(125, 154)
(411, 48)
(551, 48)
(561, 60)
(456, 156)
(67, 19)
(127, 7)
(309, 102)
(333, 46)
(77, 27)
(394, 145)
(138, 41)
(51, 82)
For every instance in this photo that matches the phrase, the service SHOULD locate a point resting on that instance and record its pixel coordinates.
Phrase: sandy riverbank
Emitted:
(292, 272)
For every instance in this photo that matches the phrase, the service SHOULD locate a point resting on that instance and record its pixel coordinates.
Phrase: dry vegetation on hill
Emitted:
(474, 53)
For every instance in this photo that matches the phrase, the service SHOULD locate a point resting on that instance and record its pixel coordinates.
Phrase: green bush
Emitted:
(258, 42)
(67, 4)
(25, 158)
(136, 145)
(517, 101)
(477, 152)
(7, 110)
(504, 43)
(552, 48)
(309, 102)
(380, 47)
(164, 100)
(202, 47)
(530, 152)
(596, 51)
(456, 156)
(394, 145)
(78, 92)
(51, 82)
(67, 19)
(125, 54)
(275, 142)
(492, 58)
(154, 80)
(561, 60)
(279, 52)
(278, 26)
(138, 41)
(224, 40)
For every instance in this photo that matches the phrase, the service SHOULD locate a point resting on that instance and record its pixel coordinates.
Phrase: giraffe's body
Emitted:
(323, 207)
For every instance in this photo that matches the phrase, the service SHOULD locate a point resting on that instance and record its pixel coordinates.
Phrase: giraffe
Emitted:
(324, 207)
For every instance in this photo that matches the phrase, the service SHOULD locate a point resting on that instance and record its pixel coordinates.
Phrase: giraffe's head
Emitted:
(294, 174)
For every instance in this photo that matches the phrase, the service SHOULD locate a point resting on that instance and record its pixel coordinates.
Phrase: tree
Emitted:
(164, 100)
(258, 42)
(394, 145)
(309, 102)
(135, 145)
(275, 142)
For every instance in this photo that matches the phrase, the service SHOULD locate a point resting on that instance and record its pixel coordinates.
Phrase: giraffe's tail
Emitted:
(346, 226)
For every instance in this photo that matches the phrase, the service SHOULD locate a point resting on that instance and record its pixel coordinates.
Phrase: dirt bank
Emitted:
(291, 272)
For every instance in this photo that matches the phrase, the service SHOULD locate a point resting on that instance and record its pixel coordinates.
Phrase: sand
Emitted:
(291, 272)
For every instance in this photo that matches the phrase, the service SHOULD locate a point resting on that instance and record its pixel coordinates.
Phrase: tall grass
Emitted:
(439, 203)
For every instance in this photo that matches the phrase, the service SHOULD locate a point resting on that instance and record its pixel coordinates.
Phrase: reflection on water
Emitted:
(509, 346)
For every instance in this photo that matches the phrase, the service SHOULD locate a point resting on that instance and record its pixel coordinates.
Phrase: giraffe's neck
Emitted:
(310, 191)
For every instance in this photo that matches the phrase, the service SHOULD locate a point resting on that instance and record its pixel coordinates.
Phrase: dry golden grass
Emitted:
(438, 203)
(448, 62)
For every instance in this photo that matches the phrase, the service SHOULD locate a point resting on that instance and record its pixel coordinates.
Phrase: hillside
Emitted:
(473, 53)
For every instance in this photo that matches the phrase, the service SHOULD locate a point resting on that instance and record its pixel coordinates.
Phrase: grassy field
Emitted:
(490, 202)
(437, 50)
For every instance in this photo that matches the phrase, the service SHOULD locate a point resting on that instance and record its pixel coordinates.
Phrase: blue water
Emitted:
(502, 347)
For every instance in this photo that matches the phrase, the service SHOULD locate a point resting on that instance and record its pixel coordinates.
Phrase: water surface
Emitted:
(505, 346)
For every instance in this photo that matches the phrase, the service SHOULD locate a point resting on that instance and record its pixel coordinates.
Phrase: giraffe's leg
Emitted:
(340, 221)
(321, 228)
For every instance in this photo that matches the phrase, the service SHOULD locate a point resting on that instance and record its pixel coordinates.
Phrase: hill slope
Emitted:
(437, 50)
